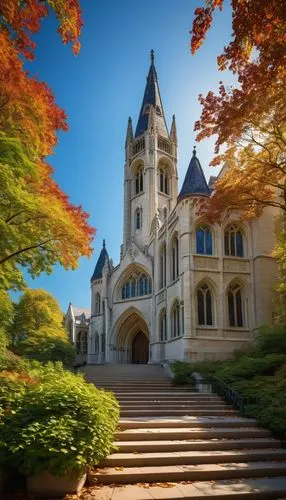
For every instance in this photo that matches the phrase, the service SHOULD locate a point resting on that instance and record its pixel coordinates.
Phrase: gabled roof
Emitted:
(151, 98)
(195, 183)
(97, 273)
(79, 311)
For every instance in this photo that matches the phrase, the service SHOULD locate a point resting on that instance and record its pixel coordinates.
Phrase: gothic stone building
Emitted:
(183, 289)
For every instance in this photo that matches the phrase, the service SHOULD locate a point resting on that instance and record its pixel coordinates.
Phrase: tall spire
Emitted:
(195, 183)
(129, 132)
(152, 98)
(173, 132)
(97, 273)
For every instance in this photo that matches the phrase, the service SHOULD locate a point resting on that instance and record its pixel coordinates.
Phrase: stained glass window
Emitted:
(204, 302)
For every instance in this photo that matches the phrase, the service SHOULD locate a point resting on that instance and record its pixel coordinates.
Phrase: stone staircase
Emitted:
(173, 442)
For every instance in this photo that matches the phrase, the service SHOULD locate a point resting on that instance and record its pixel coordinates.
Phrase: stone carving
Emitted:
(205, 263)
(133, 252)
(236, 266)
(161, 297)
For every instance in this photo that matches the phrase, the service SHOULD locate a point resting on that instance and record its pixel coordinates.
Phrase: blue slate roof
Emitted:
(195, 183)
(151, 97)
(97, 273)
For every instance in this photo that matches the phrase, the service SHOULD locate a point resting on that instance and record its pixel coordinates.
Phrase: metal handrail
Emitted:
(230, 395)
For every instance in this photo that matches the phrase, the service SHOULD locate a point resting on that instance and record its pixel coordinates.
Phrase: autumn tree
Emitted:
(39, 226)
(37, 331)
(249, 120)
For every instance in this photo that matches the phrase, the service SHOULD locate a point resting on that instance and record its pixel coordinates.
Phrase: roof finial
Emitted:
(194, 151)
(103, 244)
(152, 56)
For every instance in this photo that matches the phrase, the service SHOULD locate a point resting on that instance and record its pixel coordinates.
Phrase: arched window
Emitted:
(81, 343)
(163, 326)
(204, 302)
(96, 343)
(164, 181)
(138, 218)
(233, 241)
(174, 258)
(204, 240)
(162, 258)
(137, 285)
(139, 181)
(97, 304)
(175, 320)
(234, 299)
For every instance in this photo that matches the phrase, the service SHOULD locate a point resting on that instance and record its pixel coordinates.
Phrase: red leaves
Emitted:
(202, 23)
(24, 19)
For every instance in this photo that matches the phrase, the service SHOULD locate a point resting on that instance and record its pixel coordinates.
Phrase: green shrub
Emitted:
(182, 371)
(271, 339)
(248, 367)
(47, 348)
(53, 420)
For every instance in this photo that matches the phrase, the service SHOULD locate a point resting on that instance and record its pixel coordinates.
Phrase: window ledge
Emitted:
(137, 195)
(174, 339)
(173, 282)
(142, 297)
(236, 329)
(206, 327)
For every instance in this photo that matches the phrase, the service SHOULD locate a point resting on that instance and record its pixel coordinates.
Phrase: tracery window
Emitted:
(204, 303)
(96, 343)
(175, 320)
(204, 240)
(235, 310)
(138, 218)
(139, 181)
(164, 181)
(174, 258)
(163, 326)
(97, 304)
(233, 241)
(137, 285)
(162, 258)
(81, 343)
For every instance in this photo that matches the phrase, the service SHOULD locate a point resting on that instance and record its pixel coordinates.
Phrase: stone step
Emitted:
(167, 402)
(195, 445)
(158, 434)
(137, 423)
(138, 398)
(174, 392)
(170, 412)
(246, 489)
(192, 457)
(202, 472)
(173, 406)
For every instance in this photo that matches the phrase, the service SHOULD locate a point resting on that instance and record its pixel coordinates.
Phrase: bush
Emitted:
(248, 367)
(53, 420)
(46, 348)
(271, 339)
(182, 371)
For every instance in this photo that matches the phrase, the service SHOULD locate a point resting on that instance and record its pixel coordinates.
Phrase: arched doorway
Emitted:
(130, 339)
(140, 349)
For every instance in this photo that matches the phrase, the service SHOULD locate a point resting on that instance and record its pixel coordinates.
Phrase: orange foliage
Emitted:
(248, 121)
(39, 225)
(24, 19)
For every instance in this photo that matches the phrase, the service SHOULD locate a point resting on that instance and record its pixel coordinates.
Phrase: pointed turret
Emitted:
(152, 98)
(195, 183)
(129, 132)
(97, 273)
(173, 132)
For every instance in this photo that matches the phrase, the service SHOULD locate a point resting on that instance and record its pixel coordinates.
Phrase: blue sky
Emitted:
(103, 86)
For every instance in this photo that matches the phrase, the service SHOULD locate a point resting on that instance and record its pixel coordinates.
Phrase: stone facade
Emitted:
(182, 290)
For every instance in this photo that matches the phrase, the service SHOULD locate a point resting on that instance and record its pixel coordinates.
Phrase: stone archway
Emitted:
(140, 349)
(131, 339)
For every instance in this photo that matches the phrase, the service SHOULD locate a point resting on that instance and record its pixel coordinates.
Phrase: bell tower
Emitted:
(150, 171)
